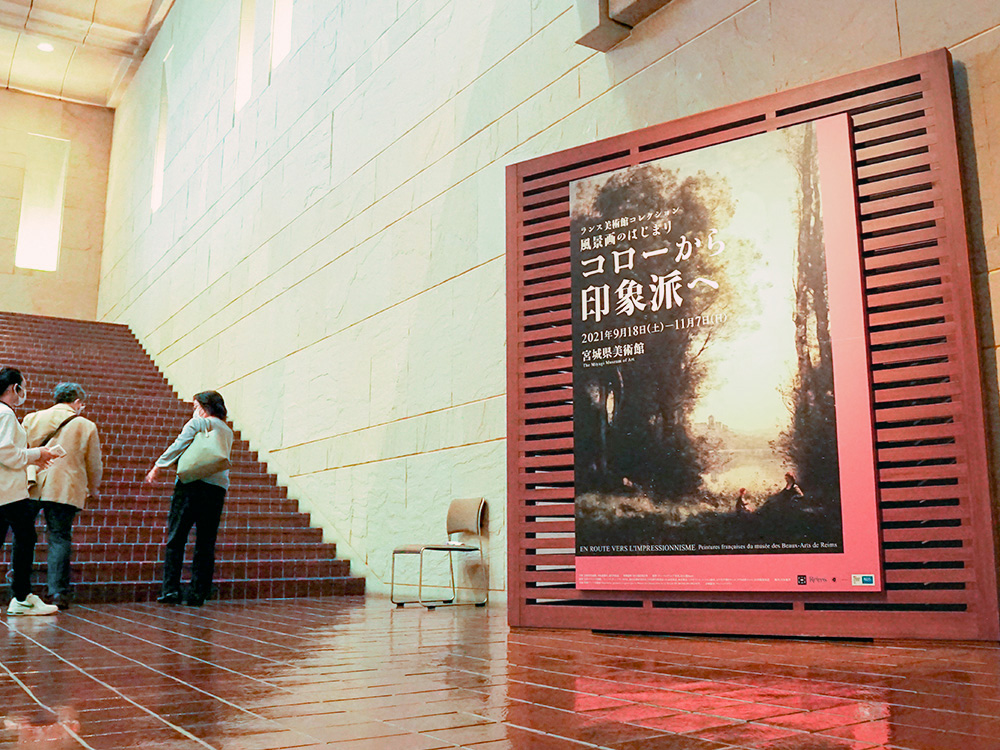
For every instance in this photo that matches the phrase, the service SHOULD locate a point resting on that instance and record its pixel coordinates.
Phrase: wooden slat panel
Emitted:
(919, 198)
(884, 378)
(934, 485)
(909, 494)
(909, 109)
(871, 190)
(916, 453)
(910, 236)
(914, 215)
(925, 514)
(909, 556)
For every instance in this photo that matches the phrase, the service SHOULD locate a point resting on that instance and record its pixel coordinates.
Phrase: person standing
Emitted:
(17, 510)
(741, 502)
(196, 504)
(63, 488)
(792, 491)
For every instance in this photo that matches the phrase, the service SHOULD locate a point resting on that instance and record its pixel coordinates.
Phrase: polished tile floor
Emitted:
(357, 673)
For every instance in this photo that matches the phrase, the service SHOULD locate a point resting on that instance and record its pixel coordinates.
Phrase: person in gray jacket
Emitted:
(196, 504)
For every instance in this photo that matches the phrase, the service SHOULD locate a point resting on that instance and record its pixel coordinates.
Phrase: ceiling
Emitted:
(97, 45)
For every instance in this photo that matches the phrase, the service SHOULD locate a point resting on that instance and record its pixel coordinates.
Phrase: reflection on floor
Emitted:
(357, 673)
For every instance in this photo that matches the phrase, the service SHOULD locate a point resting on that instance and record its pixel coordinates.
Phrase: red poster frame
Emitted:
(935, 507)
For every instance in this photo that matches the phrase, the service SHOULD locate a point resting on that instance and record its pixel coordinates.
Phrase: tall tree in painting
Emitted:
(811, 440)
(633, 423)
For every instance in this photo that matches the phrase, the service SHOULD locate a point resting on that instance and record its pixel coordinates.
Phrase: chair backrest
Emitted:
(467, 515)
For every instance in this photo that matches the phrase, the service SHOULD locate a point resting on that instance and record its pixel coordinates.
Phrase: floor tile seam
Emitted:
(305, 639)
(153, 671)
(653, 641)
(923, 709)
(228, 633)
(737, 686)
(224, 608)
(530, 730)
(680, 711)
(939, 685)
(792, 667)
(683, 712)
(611, 652)
(924, 727)
(396, 688)
(617, 696)
(559, 689)
(767, 722)
(178, 653)
(766, 649)
(824, 733)
(650, 688)
(761, 723)
(31, 694)
(895, 745)
(348, 704)
(597, 719)
(332, 702)
(114, 690)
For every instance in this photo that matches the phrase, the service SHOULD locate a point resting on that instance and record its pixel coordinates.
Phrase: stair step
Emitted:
(266, 546)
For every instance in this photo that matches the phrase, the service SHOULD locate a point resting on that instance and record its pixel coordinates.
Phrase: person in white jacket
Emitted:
(17, 510)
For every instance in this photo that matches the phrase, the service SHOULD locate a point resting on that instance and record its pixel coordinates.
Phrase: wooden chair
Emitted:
(464, 516)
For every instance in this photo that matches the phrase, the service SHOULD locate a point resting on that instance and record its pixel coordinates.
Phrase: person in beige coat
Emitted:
(64, 487)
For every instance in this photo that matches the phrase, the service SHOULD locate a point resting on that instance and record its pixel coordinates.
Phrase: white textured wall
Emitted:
(332, 258)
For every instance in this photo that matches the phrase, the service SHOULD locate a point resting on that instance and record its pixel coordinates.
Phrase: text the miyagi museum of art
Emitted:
(722, 408)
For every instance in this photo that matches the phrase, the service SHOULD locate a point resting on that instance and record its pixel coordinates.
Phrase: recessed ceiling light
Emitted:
(45, 47)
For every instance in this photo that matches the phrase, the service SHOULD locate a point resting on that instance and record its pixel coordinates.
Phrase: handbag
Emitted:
(32, 469)
(207, 455)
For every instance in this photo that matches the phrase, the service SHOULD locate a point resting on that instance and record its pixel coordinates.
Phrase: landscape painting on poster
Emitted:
(722, 409)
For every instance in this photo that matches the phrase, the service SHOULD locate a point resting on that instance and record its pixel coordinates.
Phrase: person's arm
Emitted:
(171, 455)
(95, 467)
(10, 455)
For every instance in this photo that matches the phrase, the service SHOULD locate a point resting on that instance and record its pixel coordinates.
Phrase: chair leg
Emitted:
(434, 603)
(420, 580)
(451, 570)
(392, 583)
(400, 603)
(486, 581)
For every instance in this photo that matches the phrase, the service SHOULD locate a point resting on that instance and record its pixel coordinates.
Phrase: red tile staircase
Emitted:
(266, 547)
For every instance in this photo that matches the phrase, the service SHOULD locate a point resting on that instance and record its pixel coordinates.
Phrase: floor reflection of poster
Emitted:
(722, 413)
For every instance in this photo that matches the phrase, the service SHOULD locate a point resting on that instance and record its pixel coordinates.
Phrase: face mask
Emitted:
(22, 395)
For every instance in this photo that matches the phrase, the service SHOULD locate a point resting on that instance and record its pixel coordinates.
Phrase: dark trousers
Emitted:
(59, 533)
(19, 517)
(198, 505)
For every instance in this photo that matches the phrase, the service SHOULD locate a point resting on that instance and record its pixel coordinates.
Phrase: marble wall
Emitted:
(71, 290)
(331, 257)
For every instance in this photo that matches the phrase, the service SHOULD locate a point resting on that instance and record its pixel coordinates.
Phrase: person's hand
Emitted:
(155, 475)
(94, 496)
(47, 456)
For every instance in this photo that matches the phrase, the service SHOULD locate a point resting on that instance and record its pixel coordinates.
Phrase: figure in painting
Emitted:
(792, 491)
(741, 502)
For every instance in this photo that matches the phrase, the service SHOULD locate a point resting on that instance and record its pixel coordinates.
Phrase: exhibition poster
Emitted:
(723, 429)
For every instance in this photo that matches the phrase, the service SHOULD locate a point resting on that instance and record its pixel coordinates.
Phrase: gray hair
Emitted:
(67, 393)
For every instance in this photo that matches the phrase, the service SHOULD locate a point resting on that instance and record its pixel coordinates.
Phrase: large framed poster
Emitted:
(723, 430)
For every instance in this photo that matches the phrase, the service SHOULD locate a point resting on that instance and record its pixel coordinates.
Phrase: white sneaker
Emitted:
(31, 606)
